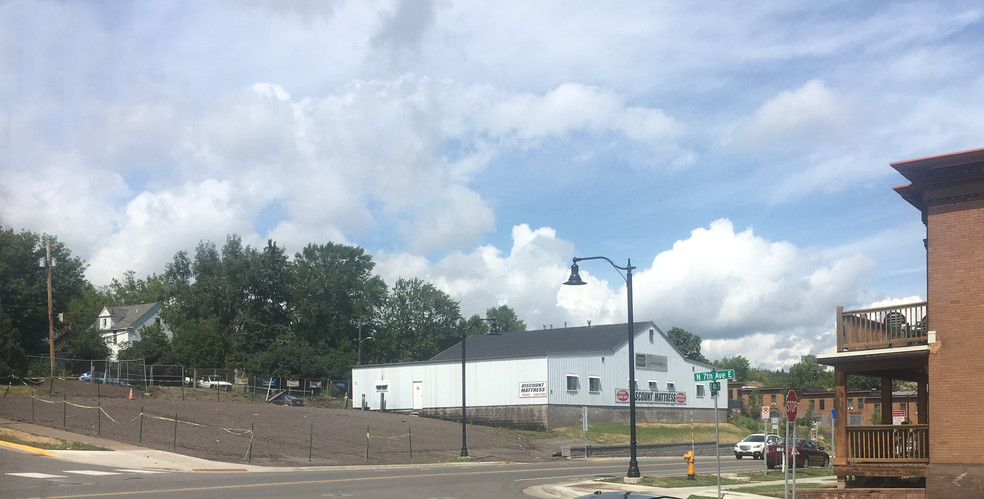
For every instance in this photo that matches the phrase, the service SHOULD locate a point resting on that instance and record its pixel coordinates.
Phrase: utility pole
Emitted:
(51, 321)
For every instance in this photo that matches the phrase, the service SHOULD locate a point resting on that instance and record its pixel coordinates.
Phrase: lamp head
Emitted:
(575, 278)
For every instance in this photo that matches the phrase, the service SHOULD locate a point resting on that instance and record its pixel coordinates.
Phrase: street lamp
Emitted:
(493, 329)
(575, 280)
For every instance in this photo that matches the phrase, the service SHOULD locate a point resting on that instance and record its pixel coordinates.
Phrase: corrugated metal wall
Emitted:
(497, 382)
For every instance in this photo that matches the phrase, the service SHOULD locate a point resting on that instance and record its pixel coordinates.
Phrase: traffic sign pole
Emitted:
(792, 407)
(714, 377)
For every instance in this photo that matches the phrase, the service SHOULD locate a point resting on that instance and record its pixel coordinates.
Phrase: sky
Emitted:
(736, 154)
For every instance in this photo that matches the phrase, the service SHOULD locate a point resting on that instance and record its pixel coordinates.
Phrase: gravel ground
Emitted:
(234, 428)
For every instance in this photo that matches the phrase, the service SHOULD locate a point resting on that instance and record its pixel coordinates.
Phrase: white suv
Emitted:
(754, 445)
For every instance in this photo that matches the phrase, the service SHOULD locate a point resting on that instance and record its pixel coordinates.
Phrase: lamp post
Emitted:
(493, 329)
(575, 280)
(464, 415)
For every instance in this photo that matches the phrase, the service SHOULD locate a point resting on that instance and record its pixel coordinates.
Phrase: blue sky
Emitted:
(738, 153)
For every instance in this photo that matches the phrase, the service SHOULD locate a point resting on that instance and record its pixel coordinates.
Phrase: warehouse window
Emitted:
(860, 403)
(572, 384)
(594, 384)
(773, 399)
(653, 385)
(700, 391)
(670, 386)
(822, 404)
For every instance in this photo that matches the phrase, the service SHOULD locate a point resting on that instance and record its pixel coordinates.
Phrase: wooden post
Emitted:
(840, 421)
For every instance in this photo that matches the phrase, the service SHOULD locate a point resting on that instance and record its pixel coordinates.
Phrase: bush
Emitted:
(743, 421)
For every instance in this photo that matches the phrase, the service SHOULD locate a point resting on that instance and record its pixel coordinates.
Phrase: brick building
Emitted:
(816, 403)
(901, 342)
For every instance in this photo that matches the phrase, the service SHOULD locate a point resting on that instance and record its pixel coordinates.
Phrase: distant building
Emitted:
(544, 379)
(120, 326)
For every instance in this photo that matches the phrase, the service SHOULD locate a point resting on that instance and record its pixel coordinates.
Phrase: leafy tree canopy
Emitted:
(506, 319)
(687, 343)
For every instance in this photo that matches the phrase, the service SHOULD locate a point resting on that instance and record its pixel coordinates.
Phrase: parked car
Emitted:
(102, 378)
(754, 445)
(804, 452)
(285, 399)
(215, 383)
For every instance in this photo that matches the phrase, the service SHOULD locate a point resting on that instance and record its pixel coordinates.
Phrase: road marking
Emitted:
(36, 475)
(140, 471)
(91, 472)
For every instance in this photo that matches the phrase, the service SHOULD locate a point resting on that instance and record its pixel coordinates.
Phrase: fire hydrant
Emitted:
(689, 458)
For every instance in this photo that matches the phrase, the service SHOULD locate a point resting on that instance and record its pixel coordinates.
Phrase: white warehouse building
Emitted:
(545, 379)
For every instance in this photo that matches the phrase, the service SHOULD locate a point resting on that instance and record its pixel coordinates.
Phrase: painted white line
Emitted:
(91, 472)
(36, 475)
(140, 471)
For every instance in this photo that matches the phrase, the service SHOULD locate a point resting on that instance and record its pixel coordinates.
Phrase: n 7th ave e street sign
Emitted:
(715, 375)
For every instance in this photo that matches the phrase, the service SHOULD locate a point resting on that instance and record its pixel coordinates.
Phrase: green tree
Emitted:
(506, 319)
(153, 346)
(266, 314)
(88, 344)
(687, 343)
(739, 363)
(807, 372)
(200, 343)
(417, 322)
(23, 294)
(334, 291)
(130, 291)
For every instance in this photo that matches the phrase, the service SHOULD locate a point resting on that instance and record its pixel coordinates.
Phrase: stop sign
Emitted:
(791, 405)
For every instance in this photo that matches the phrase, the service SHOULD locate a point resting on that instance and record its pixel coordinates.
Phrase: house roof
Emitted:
(131, 315)
(601, 339)
(962, 169)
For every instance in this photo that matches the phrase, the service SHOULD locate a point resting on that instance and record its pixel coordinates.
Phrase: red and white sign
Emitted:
(681, 398)
(791, 405)
(528, 389)
(898, 417)
(622, 395)
(765, 412)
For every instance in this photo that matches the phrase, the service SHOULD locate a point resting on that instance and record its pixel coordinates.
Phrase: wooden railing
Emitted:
(888, 444)
(883, 327)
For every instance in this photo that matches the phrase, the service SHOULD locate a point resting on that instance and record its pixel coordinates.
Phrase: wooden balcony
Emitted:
(889, 444)
(883, 327)
(885, 451)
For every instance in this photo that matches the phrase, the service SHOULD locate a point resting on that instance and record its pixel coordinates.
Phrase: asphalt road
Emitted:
(32, 475)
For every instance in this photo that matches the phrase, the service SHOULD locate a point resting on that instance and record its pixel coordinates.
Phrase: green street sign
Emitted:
(715, 375)
(715, 386)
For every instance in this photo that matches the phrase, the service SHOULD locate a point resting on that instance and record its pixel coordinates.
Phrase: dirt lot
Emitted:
(234, 428)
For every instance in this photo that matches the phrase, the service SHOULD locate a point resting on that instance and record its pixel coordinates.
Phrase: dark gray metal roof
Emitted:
(602, 339)
(131, 315)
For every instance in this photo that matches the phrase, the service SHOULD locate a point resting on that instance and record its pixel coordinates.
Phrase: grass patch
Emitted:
(776, 474)
(744, 478)
(618, 433)
(42, 442)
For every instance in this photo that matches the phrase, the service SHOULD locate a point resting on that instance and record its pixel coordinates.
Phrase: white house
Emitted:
(545, 379)
(120, 326)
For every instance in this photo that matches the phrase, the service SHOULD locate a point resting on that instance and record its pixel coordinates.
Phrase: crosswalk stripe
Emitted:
(91, 472)
(36, 475)
(140, 471)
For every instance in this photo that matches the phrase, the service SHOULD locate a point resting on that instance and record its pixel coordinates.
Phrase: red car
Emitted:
(805, 452)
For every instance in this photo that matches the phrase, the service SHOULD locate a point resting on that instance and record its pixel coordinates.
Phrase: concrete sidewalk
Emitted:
(568, 491)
